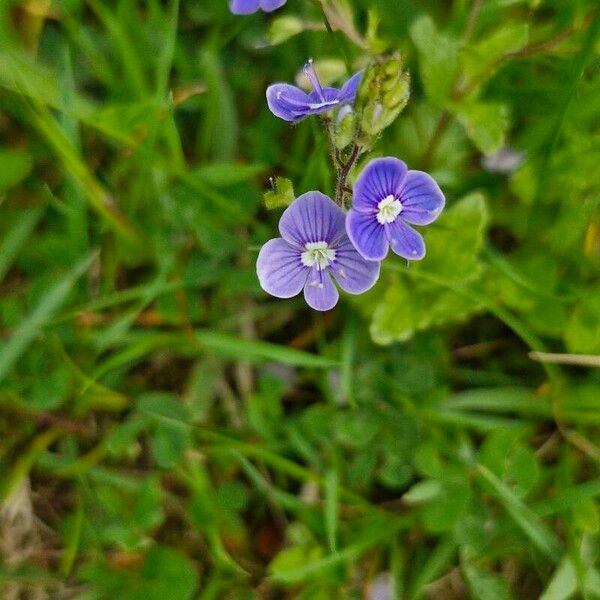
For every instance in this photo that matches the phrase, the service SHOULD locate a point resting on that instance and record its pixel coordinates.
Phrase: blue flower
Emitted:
(290, 103)
(311, 253)
(387, 199)
(247, 7)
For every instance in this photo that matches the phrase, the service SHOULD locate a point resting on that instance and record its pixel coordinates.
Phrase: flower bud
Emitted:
(382, 95)
(344, 128)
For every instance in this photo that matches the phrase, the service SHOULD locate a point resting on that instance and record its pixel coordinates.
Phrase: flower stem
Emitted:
(333, 35)
(333, 151)
(341, 188)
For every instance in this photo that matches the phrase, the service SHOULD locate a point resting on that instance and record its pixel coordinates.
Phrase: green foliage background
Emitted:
(167, 431)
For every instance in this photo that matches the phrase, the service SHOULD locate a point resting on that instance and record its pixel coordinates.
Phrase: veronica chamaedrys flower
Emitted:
(313, 249)
(290, 103)
(387, 199)
(247, 7)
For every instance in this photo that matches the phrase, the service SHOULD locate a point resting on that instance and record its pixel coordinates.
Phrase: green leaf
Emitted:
(531, 525)
(511, 460)
(485, 124)
(33, 324)
(453, 245)
(438, 59)
(238, 348)
(15, 165)
(440, 513)
(586, 516)
(171, 436)
(167, 574)
(485, 585)
(283, 28)
(582, 333)
(423, 491)
(332, 509)
(220, 127)
(290, 564)
(225, 174)
(454, 241)
(147, 511)
(438, 562)
(564, 582)
(482, 59)
(281, 195)
(14, 239)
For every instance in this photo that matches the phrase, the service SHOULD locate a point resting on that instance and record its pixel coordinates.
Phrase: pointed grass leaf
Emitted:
(39, 317)
(16, 236)
(531, 525)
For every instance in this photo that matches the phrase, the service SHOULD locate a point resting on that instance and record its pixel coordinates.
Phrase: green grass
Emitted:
(167, 430)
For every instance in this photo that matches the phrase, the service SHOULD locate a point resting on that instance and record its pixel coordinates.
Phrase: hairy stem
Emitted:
(341, 187)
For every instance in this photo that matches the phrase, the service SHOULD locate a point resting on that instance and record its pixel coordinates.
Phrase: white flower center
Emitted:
(388, 209)
(319, 254)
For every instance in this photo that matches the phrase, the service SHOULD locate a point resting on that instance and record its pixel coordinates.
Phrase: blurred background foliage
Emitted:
(168, 432)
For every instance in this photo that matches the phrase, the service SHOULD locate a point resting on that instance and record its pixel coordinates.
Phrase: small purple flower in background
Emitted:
(387, 197)
(247, 7)
(503, 161)
(290, 103)
(313, 248)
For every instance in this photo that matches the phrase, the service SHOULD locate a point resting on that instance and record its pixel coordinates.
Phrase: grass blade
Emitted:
(30, 327)
(524, 517)
(231, 346)
(16, 237)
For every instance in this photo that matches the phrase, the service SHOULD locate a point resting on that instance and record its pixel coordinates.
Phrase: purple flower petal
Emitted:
(405, 241)
(353, 273)
(367, 235)
(244, 7)
(270, 5)
(421, 198)
(287, 102)
(312, 217)
(350, 88)
(319, 291)
(290, 103)
(280, 270)
(381, 178)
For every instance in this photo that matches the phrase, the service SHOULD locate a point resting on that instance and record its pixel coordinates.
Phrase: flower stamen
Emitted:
(317, 254)
(311, 74)
(388, 209)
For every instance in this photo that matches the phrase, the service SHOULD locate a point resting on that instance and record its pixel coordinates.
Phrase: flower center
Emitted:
(388, 209)
(319, 254)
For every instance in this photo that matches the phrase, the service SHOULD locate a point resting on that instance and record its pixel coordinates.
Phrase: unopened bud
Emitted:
(382, 95)
(344, 128)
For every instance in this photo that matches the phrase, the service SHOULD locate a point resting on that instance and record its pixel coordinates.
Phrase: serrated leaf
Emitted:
(453, 245)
